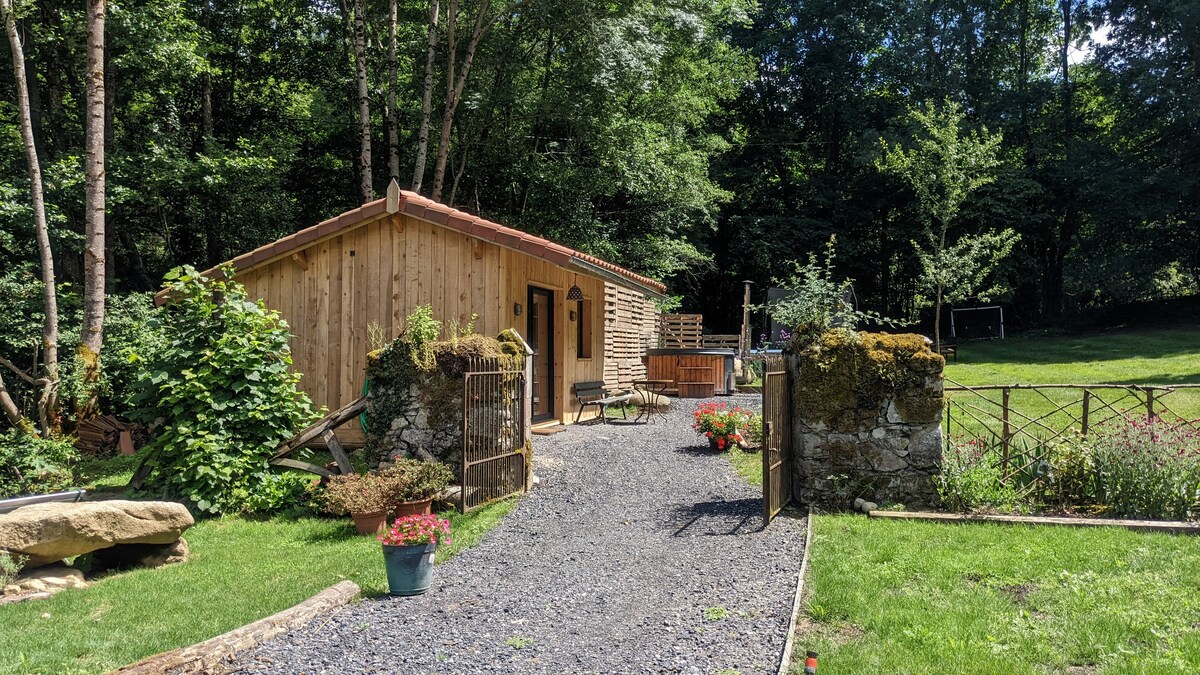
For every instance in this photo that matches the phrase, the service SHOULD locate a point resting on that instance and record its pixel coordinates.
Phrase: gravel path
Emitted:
(640, 551)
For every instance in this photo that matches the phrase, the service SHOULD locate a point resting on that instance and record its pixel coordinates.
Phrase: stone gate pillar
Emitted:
(866, 419)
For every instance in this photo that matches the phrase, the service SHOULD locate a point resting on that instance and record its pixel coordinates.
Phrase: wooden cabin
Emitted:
(373, 265)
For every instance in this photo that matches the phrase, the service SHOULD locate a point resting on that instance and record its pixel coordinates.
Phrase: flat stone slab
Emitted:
(47, 533)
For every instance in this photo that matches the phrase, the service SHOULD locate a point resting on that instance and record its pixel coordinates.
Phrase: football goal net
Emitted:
(977, 323)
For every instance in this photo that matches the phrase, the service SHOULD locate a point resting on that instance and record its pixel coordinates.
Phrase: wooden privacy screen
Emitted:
(630, 327)
(682, 331)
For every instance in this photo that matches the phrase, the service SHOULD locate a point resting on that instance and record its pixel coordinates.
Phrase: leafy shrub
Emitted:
(754, 431)
(34, 465)
(222, 397)
(816, 301)
(359, 493)
(971, 479)
(10, 567)
(1148, 469)
(417, 480)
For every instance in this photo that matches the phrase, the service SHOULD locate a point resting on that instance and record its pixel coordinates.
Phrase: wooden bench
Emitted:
(949, 350)
(594, 393)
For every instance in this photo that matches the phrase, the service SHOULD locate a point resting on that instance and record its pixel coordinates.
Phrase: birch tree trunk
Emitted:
(48, 413)
(393, 124)
(426, 98)
(92, 337)
(364, 110)
(454, 86)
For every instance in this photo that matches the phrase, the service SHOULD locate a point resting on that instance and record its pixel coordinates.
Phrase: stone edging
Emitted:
(1169, 526)
(785, 659)
(207, 656)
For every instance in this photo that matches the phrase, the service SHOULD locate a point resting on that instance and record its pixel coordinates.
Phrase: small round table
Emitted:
(650, 388)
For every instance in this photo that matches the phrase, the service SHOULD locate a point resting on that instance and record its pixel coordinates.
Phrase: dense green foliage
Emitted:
(33, 465)
(906, 597)
(221, 398)
(699, 142)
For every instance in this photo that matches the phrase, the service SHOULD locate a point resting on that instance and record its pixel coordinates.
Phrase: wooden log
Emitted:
(1171, 526)
(212, 656)
(335, 449)
(303, 466)
(331, 421)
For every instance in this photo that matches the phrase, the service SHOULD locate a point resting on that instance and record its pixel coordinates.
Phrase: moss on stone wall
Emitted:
(844, 379)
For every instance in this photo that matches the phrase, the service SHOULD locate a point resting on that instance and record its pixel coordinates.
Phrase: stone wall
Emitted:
(866, 419)
(415, 403)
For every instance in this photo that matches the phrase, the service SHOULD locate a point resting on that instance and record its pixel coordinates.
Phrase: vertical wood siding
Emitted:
(377, 273)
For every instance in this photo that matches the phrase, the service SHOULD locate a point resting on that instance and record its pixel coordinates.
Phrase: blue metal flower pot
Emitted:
(409, 568)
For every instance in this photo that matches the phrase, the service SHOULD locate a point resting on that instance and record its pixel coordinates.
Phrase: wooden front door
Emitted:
(541, 341)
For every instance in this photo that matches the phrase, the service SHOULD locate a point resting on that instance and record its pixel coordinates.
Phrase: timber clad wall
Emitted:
(631, 327)
(332, 292)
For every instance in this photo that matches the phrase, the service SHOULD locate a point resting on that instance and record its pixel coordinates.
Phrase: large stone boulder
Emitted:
(645, 398)
(46, 533)
(50, 579)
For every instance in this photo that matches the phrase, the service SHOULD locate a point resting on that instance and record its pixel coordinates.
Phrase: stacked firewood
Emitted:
(107, 435)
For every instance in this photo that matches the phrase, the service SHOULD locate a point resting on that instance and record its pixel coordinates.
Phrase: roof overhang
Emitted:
(621, 280)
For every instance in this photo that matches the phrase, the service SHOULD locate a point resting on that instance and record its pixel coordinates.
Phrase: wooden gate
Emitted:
(777, 440)
(494, 463)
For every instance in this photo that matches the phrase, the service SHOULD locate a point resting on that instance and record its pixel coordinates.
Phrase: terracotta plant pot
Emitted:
(418, 508)
(370, 523)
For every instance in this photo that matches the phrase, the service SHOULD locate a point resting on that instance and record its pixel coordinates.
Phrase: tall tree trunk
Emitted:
(1053, 284)
(92, 337)
(11, 411)
(426, 98)
(364, 109)
(49, 413)
(455, 85)
(393, 124)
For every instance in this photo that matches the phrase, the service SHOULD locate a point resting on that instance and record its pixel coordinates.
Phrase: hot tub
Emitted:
(691, 370)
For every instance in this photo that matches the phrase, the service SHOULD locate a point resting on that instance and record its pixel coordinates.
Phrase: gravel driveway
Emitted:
(640, 551)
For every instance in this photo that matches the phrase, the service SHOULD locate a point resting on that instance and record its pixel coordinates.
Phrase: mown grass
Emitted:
(1166, 356)
(904, 597)
(747, 464)
(240, 571)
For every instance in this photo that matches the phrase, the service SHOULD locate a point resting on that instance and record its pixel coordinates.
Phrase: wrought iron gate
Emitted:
(777, 440)
(494, 463)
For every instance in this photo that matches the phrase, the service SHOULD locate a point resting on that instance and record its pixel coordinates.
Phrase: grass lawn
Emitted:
(902, 597)
(240, 571)
(1161, 356)
(747, 464)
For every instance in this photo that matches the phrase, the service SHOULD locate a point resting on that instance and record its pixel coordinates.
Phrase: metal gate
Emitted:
(777, 440)
(494, 463)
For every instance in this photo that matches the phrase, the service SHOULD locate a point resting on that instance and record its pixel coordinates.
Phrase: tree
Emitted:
(364, 107)
(431, 43)
(393, 124)
(92, 337)
(943, 166)
(456, 80)
(48, 400)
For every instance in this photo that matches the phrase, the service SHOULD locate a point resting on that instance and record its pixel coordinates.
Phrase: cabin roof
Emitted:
(413, 204)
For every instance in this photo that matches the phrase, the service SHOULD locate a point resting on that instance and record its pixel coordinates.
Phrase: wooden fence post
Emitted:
(1004, 437)
(1149, 403)
(1087, 405)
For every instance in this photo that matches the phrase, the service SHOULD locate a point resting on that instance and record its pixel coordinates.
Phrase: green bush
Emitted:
(221, 398)
(971, 480)
(417, 480)
(34, 465)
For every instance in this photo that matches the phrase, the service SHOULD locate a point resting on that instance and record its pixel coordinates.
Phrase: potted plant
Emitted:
(416, 484)
(721, 425)
(408, 549)
(365, 496)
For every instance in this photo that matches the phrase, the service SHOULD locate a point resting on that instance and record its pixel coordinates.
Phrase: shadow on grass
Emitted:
(334, 532)
(723, 518)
